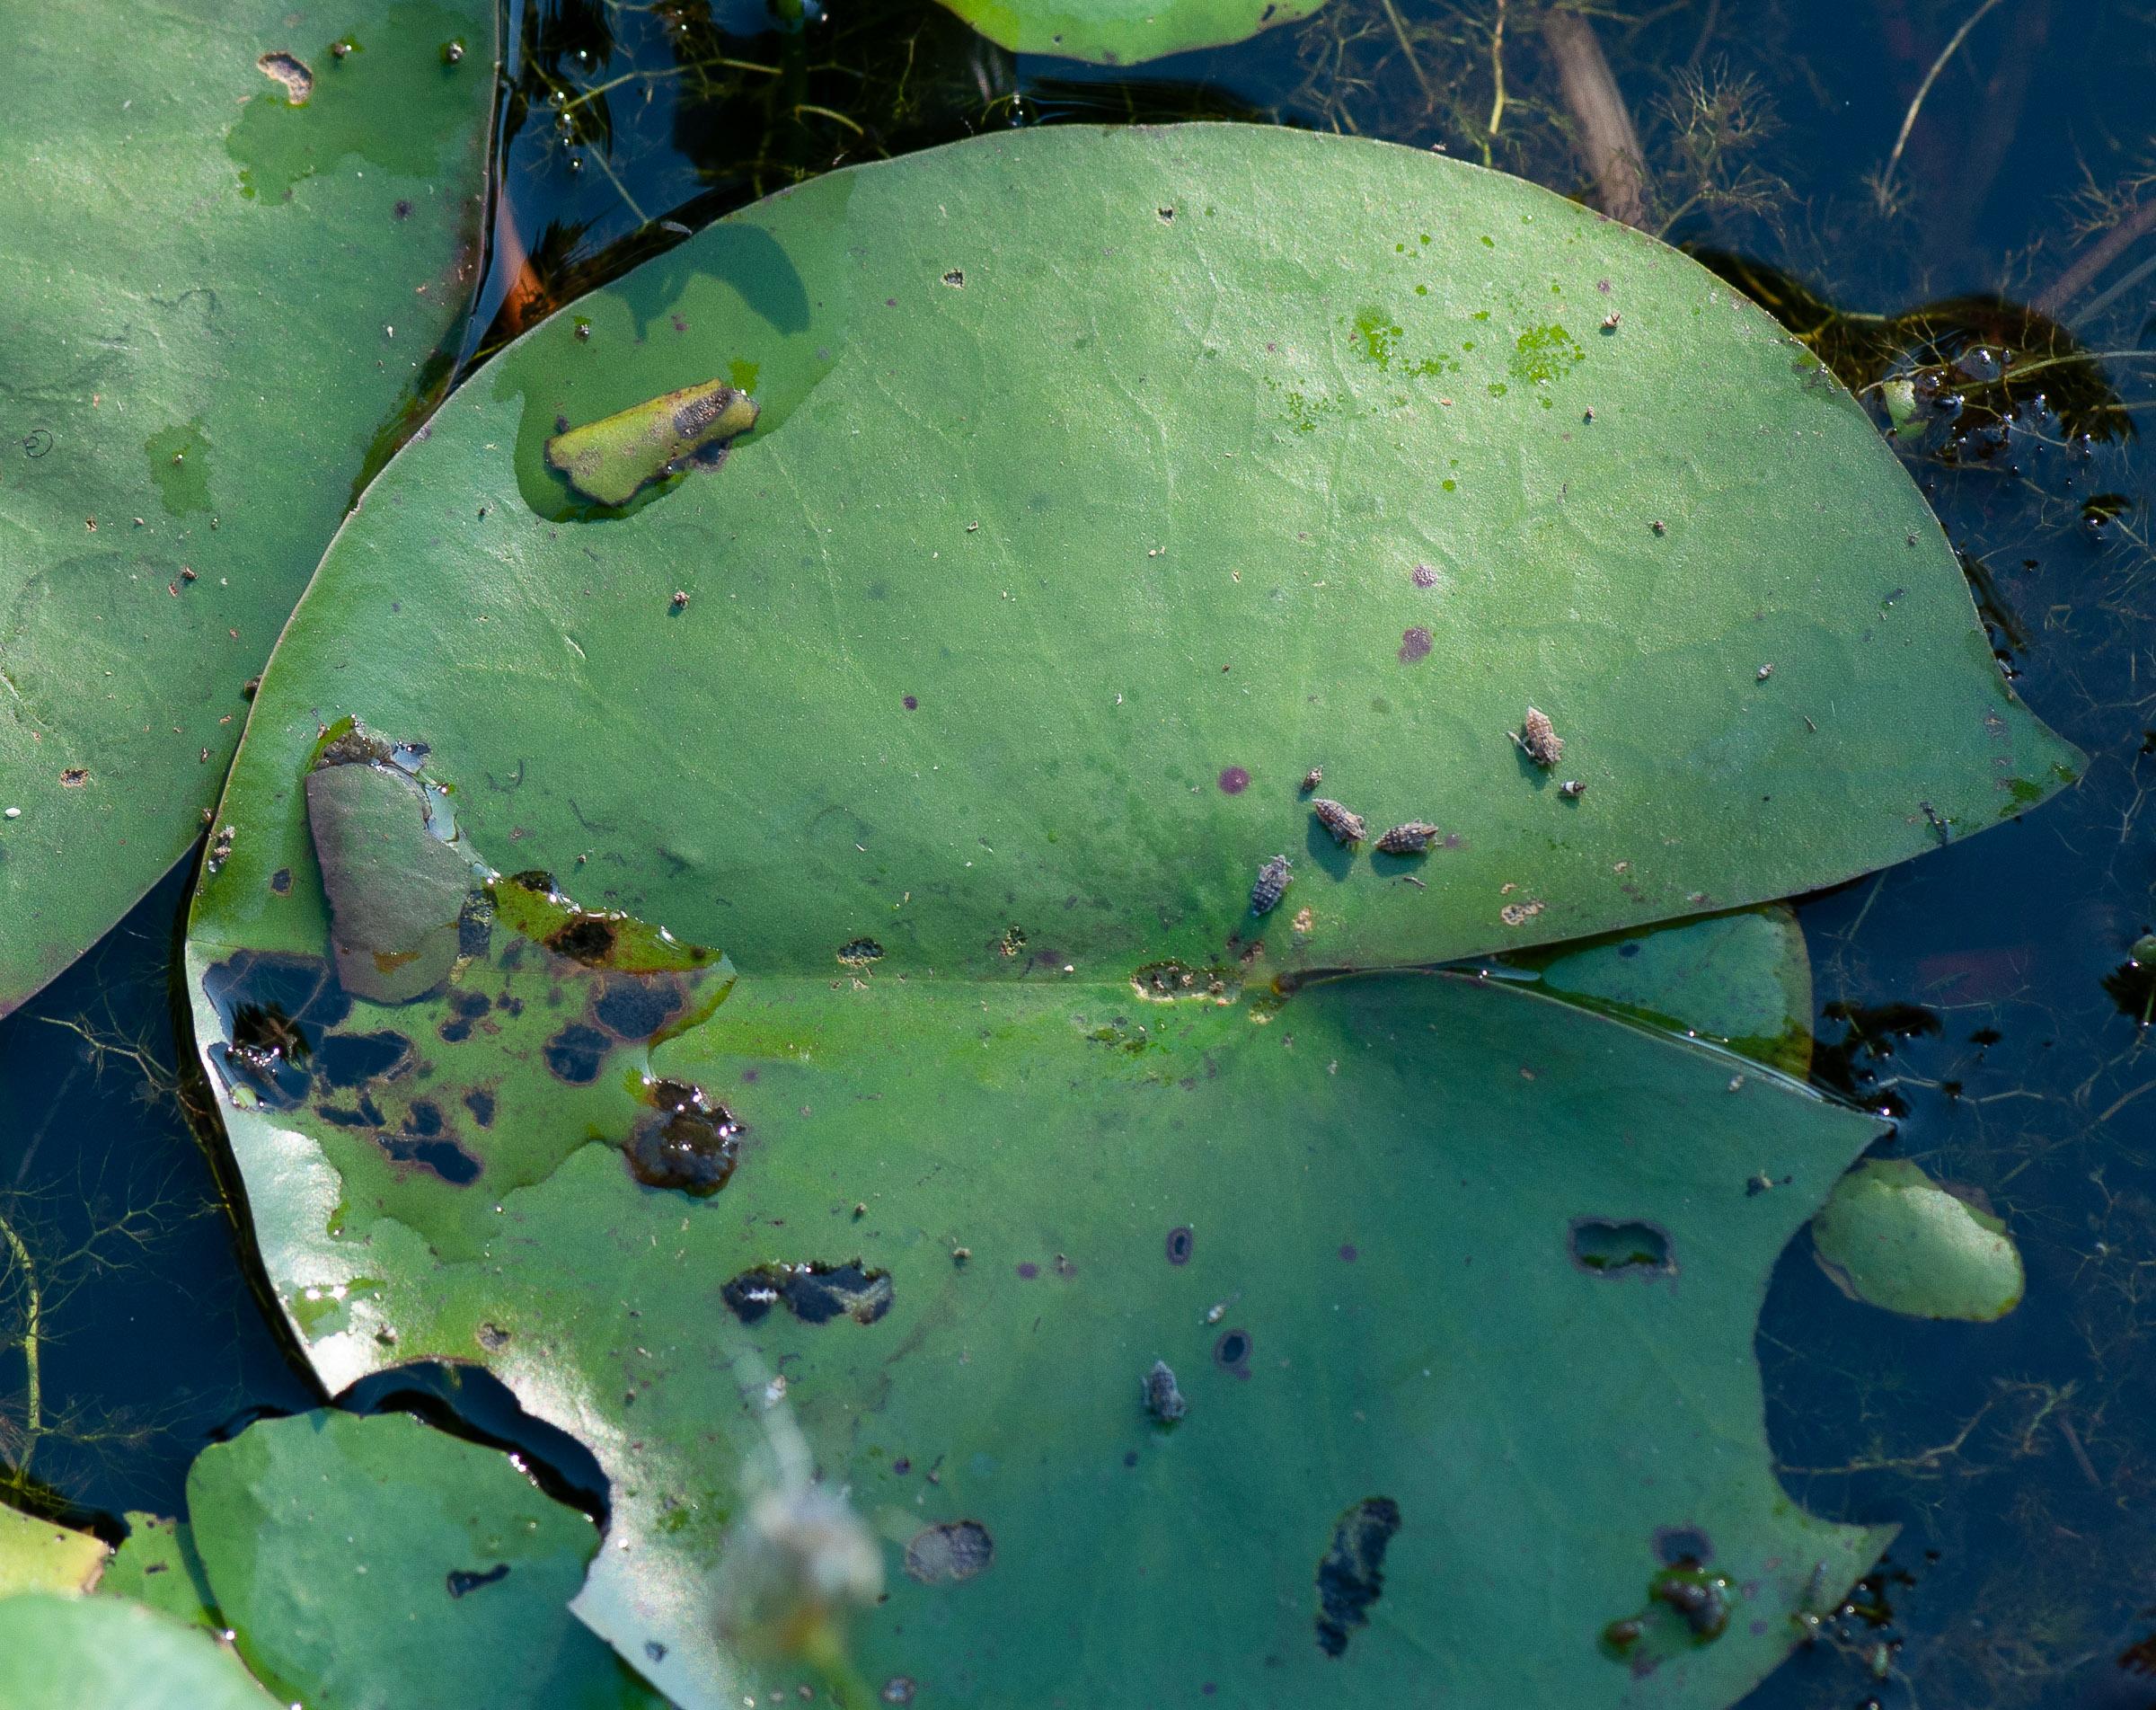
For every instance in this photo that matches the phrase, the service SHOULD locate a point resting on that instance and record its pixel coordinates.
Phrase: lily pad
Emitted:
(1894, 1238)
(222, 305)
(117, 1655)
(377, 1561)
(1124, 32)
(39, 1555)
(1023, 611)
(1384, 1191)
(1098, 495)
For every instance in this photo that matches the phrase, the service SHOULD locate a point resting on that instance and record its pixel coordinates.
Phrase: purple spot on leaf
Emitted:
(1425, 577)
(1414, 644)
(1347, 1251)
(1029, 1271)
(1234, 780)
(911, 703)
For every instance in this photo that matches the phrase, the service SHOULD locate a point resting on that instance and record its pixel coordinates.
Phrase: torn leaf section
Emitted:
(1892, 1236)
(610, 460)
(474, 1029)
(816, 1293)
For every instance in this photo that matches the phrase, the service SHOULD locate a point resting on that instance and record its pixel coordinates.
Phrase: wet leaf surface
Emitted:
(1894, 1238)
(377, 1561)
(59, 1650)
(219, 309)
(1061, 551)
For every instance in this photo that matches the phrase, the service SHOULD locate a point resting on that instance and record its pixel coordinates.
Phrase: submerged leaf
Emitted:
(1894, 1238)
(1742, 980)
(397, 885)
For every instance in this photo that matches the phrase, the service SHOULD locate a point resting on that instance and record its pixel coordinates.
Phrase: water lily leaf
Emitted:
(1892, 1237)
(39, 1555)
(377, 1561)
(1124, 32)
(1336, 1226)
(219, 304)
(156, 1564)
(1039, 592)
(1093, 504)
(118, 1655)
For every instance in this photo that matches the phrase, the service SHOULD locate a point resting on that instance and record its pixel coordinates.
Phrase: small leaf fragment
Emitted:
(610, 459)
(1893, 1238)
(40, 1555)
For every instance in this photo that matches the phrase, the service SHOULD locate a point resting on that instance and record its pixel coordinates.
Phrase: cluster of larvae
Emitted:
(1537, 740)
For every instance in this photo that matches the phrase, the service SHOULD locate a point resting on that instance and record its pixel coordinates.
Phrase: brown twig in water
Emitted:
(1714, 16)
(2094, 260)
(1884, 192)
(1400, 29)
(1607, 138)
(1496, 66)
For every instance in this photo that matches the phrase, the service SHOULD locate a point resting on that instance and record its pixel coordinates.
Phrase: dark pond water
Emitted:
(1983, 996)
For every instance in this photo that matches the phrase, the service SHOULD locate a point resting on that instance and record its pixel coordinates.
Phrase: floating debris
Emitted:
(1572, 789)
(610, 460)
(1345, 824)
(1312, 778)
(1272, 881)
(1411, 838)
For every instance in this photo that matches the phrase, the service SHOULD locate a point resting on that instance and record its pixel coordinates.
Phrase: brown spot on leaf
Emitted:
(950, 1553)
(289, 70)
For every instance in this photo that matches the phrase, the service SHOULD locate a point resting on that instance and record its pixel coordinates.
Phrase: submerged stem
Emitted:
(1917, 101)
(33, 1405)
